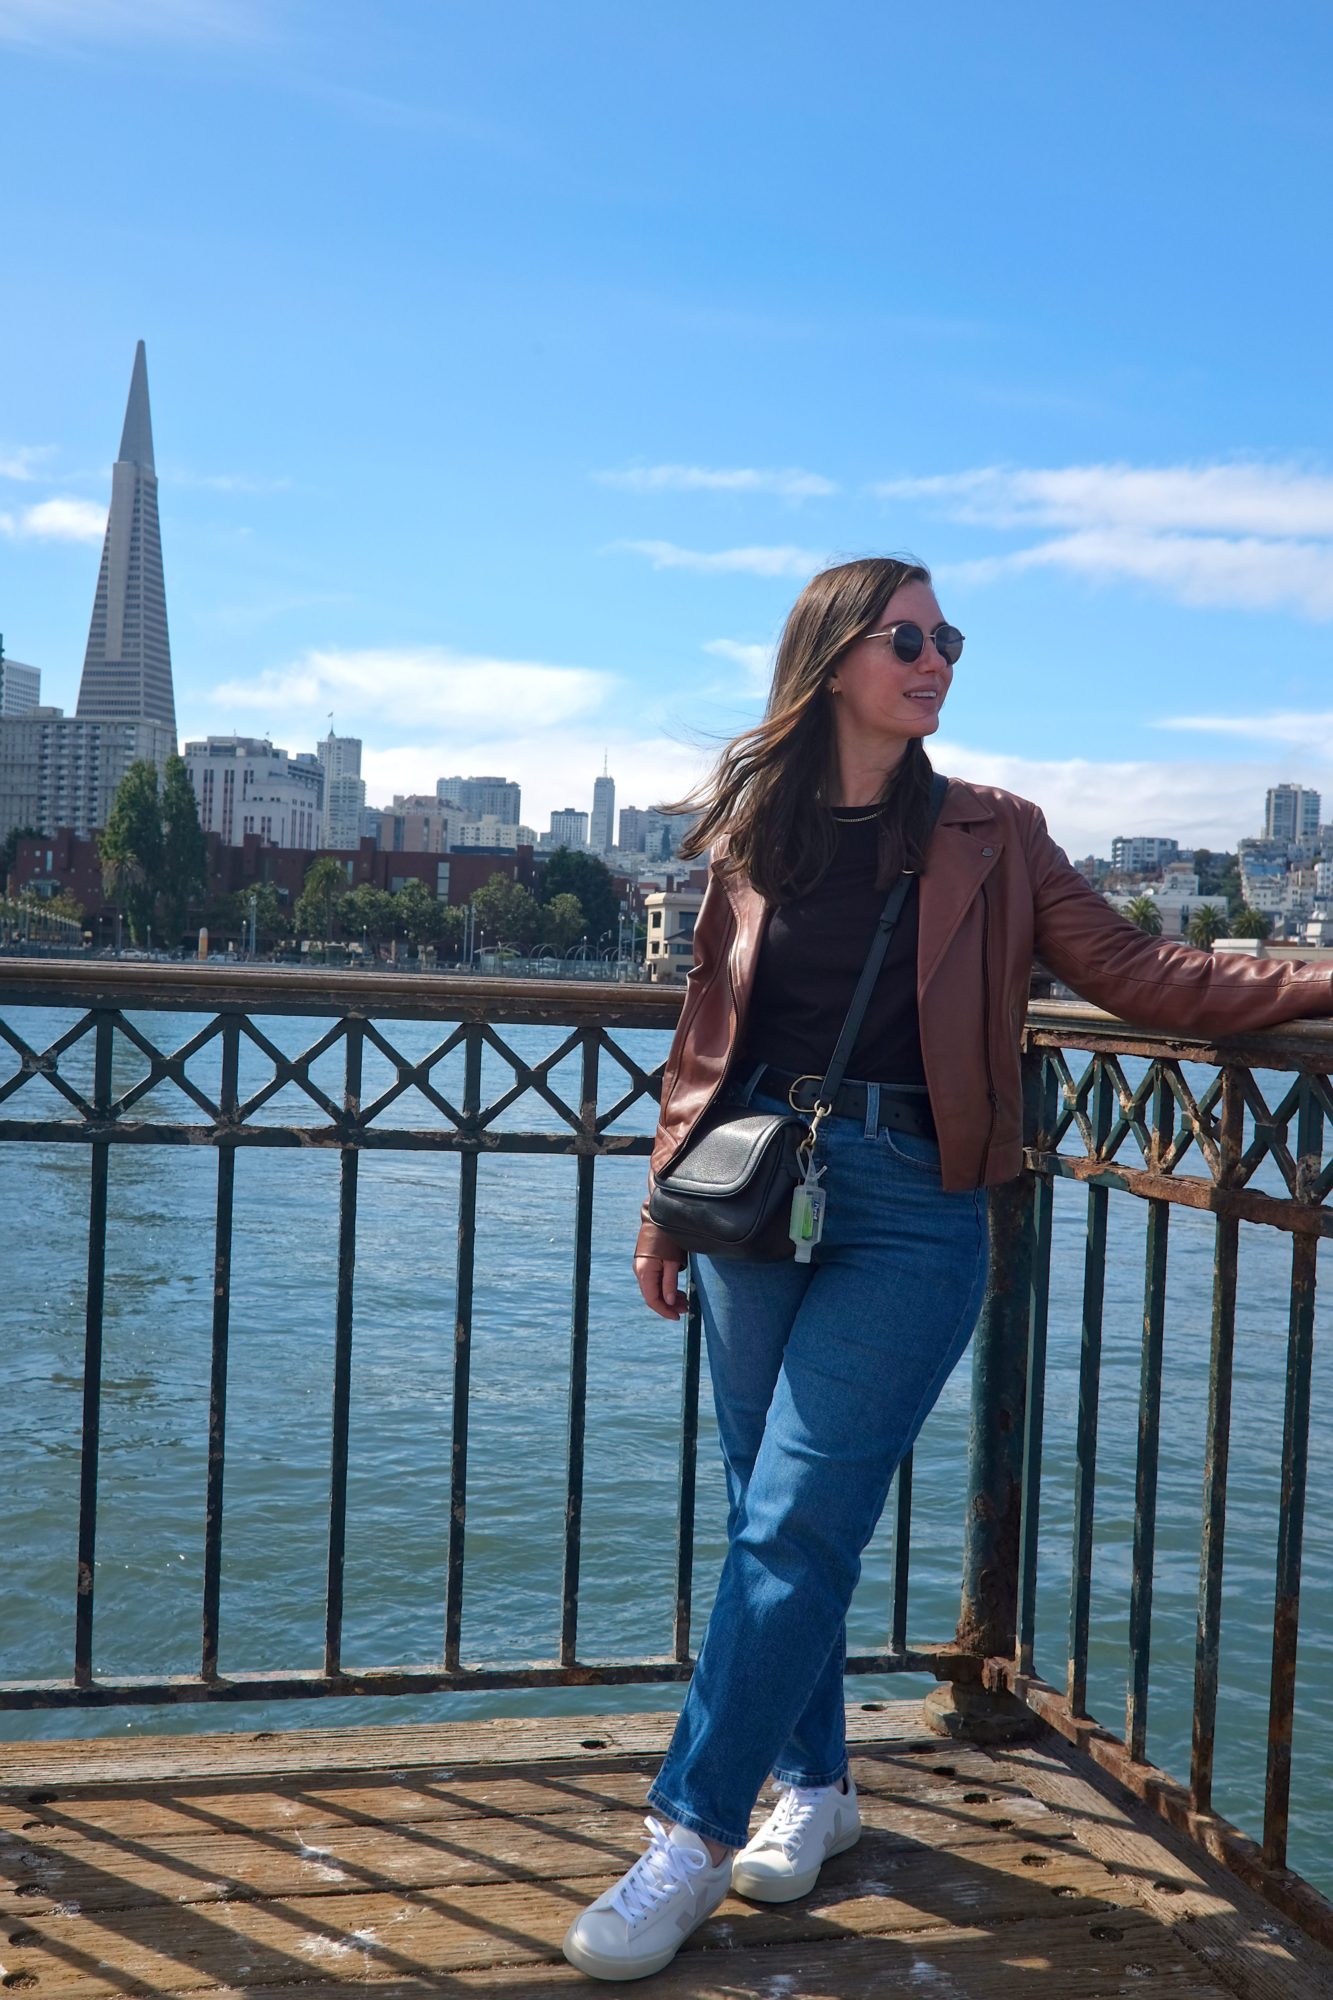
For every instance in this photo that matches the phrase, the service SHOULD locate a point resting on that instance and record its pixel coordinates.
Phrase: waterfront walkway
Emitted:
(448, 1860)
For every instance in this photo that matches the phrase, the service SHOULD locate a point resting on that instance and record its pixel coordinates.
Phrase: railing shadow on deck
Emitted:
(1155, 1139)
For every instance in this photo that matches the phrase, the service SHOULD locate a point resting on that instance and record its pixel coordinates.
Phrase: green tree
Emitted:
(1248, 923)
(131, 847)
(563, 922)
(9, 851)
(1219, 875)
(584, 876)
(62, 904)
(418, 912)
(369, 913)
(507, 914)
(184, 871)
(318, 905)
(272, 917)
(1206, 926)
(450, 921)
(1143, 911)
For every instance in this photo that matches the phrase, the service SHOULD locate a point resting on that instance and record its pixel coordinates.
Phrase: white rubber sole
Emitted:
(758, 1886)
(598, 1965)
(614, 1968)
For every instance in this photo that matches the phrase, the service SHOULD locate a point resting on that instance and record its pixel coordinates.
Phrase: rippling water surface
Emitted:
(154, 1420)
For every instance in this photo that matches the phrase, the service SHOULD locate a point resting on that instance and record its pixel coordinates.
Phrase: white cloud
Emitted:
(1203, 570)
(788, 482)
(1304, 729)
(61, 520)
(1236, 498)
(423, 712)
(1200, 802)
(1243, 534)
(755, 561)
(24, 461)
(555, 767)
(424, 687)
(757, 661)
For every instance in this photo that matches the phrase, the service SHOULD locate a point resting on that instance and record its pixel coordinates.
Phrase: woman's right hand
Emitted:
(658, 1281)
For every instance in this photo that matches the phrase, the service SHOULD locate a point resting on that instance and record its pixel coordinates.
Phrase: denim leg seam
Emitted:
(804, 1779)
(708, 1829)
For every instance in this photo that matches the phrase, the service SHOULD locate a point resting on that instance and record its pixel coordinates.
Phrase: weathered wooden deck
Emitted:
(449, 1860)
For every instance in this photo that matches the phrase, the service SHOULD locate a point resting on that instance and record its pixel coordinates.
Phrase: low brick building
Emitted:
(69, 861)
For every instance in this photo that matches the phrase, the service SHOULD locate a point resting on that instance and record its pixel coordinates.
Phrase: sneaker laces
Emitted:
(789, 1818)
(666, 1866)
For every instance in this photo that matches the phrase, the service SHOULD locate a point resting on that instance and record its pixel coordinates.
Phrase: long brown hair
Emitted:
(770, 789)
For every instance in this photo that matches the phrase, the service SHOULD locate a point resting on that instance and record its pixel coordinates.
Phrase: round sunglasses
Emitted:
(908, 641)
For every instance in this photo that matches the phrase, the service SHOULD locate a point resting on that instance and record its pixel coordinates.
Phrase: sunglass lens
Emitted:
(908, 640)
(948, 643)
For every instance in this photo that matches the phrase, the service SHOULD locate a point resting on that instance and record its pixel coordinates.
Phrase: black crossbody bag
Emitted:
(730, 1192)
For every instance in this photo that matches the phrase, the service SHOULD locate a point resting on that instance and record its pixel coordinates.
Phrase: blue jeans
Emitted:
(823, 1374)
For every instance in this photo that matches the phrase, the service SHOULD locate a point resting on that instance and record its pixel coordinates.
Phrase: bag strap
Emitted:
(884, 929)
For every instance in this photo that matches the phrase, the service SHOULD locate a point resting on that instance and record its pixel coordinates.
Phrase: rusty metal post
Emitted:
(988, 1621)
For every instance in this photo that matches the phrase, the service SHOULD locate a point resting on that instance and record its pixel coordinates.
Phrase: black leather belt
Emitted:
(904, 1106)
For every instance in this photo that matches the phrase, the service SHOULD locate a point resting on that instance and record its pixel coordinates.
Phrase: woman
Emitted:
(823, 1372)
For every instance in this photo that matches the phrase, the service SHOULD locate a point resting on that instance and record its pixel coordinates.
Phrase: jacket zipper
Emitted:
(985, 1027)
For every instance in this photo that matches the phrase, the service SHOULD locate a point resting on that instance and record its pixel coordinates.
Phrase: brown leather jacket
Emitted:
(995, 892)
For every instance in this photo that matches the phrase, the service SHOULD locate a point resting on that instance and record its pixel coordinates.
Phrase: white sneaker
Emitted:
(808, 1823)
(638, 1926)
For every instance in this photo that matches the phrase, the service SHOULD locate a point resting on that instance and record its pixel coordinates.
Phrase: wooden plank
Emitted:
(872, 1890)
(323, 1800)
(110, 1870)
(509, 1739)
(1236, 1937)
(1059, 1961)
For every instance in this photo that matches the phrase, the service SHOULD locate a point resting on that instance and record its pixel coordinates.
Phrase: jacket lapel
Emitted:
(964, 848)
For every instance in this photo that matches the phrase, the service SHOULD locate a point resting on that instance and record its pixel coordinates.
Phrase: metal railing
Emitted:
(1096, 1127)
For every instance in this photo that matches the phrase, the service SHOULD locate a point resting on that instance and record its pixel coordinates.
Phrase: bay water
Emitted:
(155, 1405)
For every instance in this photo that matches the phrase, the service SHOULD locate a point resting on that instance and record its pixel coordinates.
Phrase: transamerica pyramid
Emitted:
(127, 667)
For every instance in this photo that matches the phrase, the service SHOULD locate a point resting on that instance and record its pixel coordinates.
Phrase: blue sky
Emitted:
(513, 363)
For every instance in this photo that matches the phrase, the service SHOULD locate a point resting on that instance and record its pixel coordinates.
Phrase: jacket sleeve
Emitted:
(710, 935)
(1154, 982)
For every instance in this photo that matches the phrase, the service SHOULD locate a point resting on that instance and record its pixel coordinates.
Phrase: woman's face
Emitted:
(876, 691)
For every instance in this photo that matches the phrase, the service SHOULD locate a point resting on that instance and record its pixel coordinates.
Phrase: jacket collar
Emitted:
(962, 804)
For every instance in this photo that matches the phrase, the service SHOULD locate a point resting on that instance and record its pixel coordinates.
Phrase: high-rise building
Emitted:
(602, 828)
(243, 784)
(344, 810)
(1140, 853)
(500, 835)
(416, 823)
(60, 770)
(569, 828)
(645, 832)
(344, 791)
(1291, 812)
(481, 798)
(127, 664)
(20, 686)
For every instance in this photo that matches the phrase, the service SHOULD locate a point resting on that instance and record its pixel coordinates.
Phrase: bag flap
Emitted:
(724, 1157)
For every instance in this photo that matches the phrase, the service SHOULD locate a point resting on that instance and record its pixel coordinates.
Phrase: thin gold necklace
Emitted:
(860, 817)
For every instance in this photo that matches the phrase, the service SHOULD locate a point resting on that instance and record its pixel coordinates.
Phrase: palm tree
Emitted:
(1206, 926)
(1143, 911)
(1251, 923)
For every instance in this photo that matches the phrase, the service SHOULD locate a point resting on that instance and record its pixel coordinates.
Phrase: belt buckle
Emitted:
(795, 1085)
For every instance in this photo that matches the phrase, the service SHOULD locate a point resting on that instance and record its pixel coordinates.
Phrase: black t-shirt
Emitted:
(810, 960)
